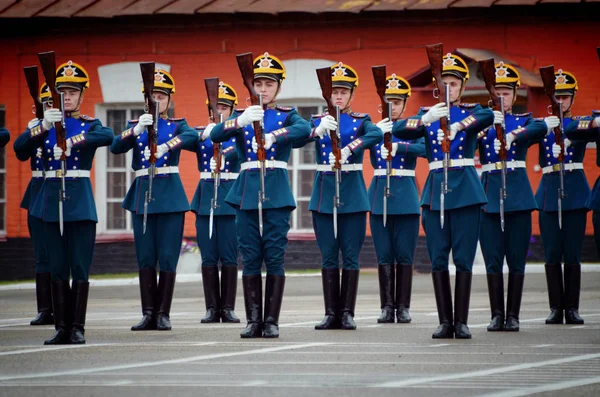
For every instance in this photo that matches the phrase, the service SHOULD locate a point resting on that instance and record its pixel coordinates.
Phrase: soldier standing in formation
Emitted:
(397, 240)
(282, 127)
(25, 150)
(158, 240)
(222, 245)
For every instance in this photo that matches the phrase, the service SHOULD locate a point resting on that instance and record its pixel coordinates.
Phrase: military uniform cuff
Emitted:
(78, 139)
(174, 143)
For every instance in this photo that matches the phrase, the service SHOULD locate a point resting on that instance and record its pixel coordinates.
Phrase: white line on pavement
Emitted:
(546, 388)
(46, 349)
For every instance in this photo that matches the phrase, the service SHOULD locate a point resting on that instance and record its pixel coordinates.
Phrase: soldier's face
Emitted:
(162, 100)
(341, 97)
(455, 87)
(508, 97)
(223, 110)
(73, 99)
(397, 108)
(566, 102)
(267, 88)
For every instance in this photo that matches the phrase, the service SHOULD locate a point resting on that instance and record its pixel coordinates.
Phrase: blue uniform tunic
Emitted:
(583, 131)
(25, 150)
(70, 254)
(566, 243)
(463, 202)
(514, 242)
(358, 133)
(223, 244)
(4, 137)
(286, 126)
(164, 230)
(396, 242)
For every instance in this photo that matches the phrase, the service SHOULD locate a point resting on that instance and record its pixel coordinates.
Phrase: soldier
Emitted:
(563, 243)
(282, 126)
(222, 245)
(462, 203)
(27, 149)
(356, 133)
(513, 242)
(69, 254)
(159, 240)
(588, 129)
(4, 137)
(397, 240)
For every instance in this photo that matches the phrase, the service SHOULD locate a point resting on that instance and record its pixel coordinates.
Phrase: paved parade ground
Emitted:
(374, 360)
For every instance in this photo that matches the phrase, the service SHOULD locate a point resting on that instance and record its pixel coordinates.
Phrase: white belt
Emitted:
(568, 167)
(225, 176)
(498, 165)
(37, 174)
(268, 164)
(68, 174)
(158, 171)
(345, 167)
(436, 165)
(395, 172)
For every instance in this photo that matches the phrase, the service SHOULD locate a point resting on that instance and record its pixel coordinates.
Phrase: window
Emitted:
(2, 179)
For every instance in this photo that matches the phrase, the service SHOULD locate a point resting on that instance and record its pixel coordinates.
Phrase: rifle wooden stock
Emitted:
(434, 54)
(488, 69)
(212, 93)
(380, 77)
(48, 63)
(147, 69)
(547, 74)
(246, 66)
(324, 76)
(31, 76)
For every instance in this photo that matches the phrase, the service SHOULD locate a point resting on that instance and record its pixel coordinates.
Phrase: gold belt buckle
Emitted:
(556, 167)
(59, 173)
(498, 165)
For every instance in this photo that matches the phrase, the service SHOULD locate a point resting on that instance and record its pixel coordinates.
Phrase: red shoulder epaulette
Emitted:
(318, 116)
(284, 108)
(359, 115)
(527, 114)
(177, 119)
(86, 118)
(468, 105)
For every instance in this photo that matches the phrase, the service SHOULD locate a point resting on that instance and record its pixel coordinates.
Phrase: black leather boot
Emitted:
(166, 287)
(443, 301)
(229, 280)
(331, 296)
(43, 293)
(273, 297)
(462, 298)
(495, 282)
(404, 276)
(210, 283)
(253, 301)
(348, 298)
(148, 292)
(513, 301)
(572, 292)
(61, 302)
(386, 293)
(79, 294)
(555, 293)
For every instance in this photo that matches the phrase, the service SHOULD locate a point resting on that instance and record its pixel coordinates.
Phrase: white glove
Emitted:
(454, 129)
(552, 122)
(345, 154)
(384, 151)
(38, 153)
(328, 123)
(510, 138)
(253, 113)
(269, 141)
(497, 145)
(440, 133)
(498, 117)
(386, 125)
(436, 112)
(145, 120)
(207, 131)
(51, 116)
(567, 143)
(213, 164)
(597, 122)
(33, 123)
(555, 150)
(160, 151)
(58, 151)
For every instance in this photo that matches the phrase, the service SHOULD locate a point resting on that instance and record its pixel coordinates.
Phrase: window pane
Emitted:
(2, 190)
(304, 216)
(116, 184)
(136, 113)
(2, 156)
(2, 217)
(307, 111)
(306, 180)
(115, 217)
(117, 120)
(291, 174)
(308, 155)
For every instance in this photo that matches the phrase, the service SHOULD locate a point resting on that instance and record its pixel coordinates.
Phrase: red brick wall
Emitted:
(196, 53)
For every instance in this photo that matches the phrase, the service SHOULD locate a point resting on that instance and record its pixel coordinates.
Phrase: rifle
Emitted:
(488, 69)
(212, 92)
(147, 69)
(547, 74)
(324, 76)
(245, 64)
(48, 63)
(31, 76)
(379, 75)
(434, 53)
